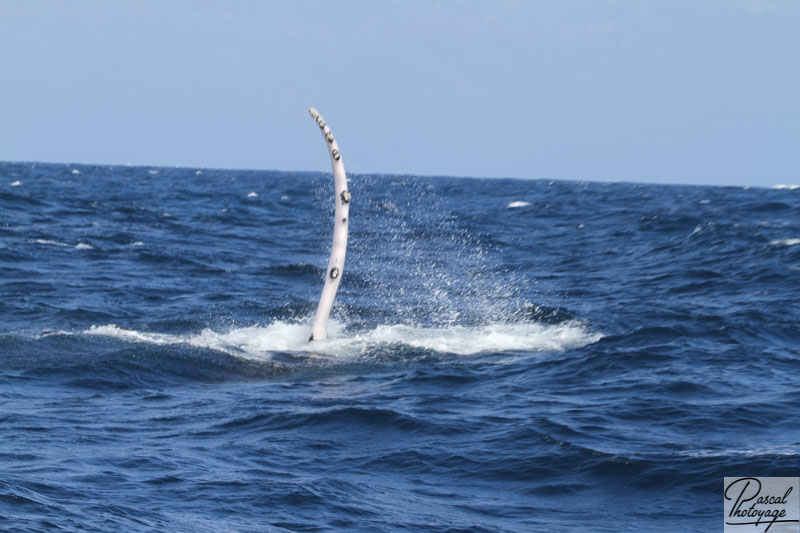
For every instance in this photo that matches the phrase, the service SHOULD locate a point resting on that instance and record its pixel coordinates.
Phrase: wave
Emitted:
(260, 342)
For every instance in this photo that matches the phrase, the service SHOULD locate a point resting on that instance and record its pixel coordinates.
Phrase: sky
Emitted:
(668, 91)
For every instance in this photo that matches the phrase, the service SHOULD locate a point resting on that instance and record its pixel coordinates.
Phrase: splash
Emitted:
(260, 342)
(466, 340)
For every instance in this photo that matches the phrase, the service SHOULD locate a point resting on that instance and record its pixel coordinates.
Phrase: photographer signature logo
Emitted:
(762, 504)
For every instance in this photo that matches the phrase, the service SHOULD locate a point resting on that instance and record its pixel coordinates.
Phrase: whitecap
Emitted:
(774, 450)
(50, 243)
(84, 246)
(152, 172)
(789, 186)
(253, 195)
(16, 183)
(518, 203)
(785, 242)
(76, 171)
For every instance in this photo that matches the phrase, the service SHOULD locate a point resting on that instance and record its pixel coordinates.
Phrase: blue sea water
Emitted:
(507, 355)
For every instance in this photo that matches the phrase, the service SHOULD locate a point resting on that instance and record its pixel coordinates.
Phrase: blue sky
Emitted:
(666, 91)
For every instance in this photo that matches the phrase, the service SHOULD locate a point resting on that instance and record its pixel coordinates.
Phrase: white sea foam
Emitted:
(789, 186)
(518, 203)
(152, 172)
(111, 330)
(50, 243)
(785, 242)
(258, 342)
(253, 195)
(79, 246)
(777, 450)
(463, 340)
(16, 183)
(76, 171)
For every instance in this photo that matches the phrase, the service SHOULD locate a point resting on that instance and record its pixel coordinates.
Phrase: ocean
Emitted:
(506, 355)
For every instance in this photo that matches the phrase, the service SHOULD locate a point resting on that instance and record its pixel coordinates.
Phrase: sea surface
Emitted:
(506, 355)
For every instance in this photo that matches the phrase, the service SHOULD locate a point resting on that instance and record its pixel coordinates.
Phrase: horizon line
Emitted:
(244, 169)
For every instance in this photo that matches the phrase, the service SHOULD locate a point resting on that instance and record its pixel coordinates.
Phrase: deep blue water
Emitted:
(508, 355)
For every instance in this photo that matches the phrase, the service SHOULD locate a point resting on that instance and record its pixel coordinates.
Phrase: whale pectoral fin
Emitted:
(319, 330)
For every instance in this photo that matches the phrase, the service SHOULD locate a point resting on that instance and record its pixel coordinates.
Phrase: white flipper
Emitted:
(333, 275)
